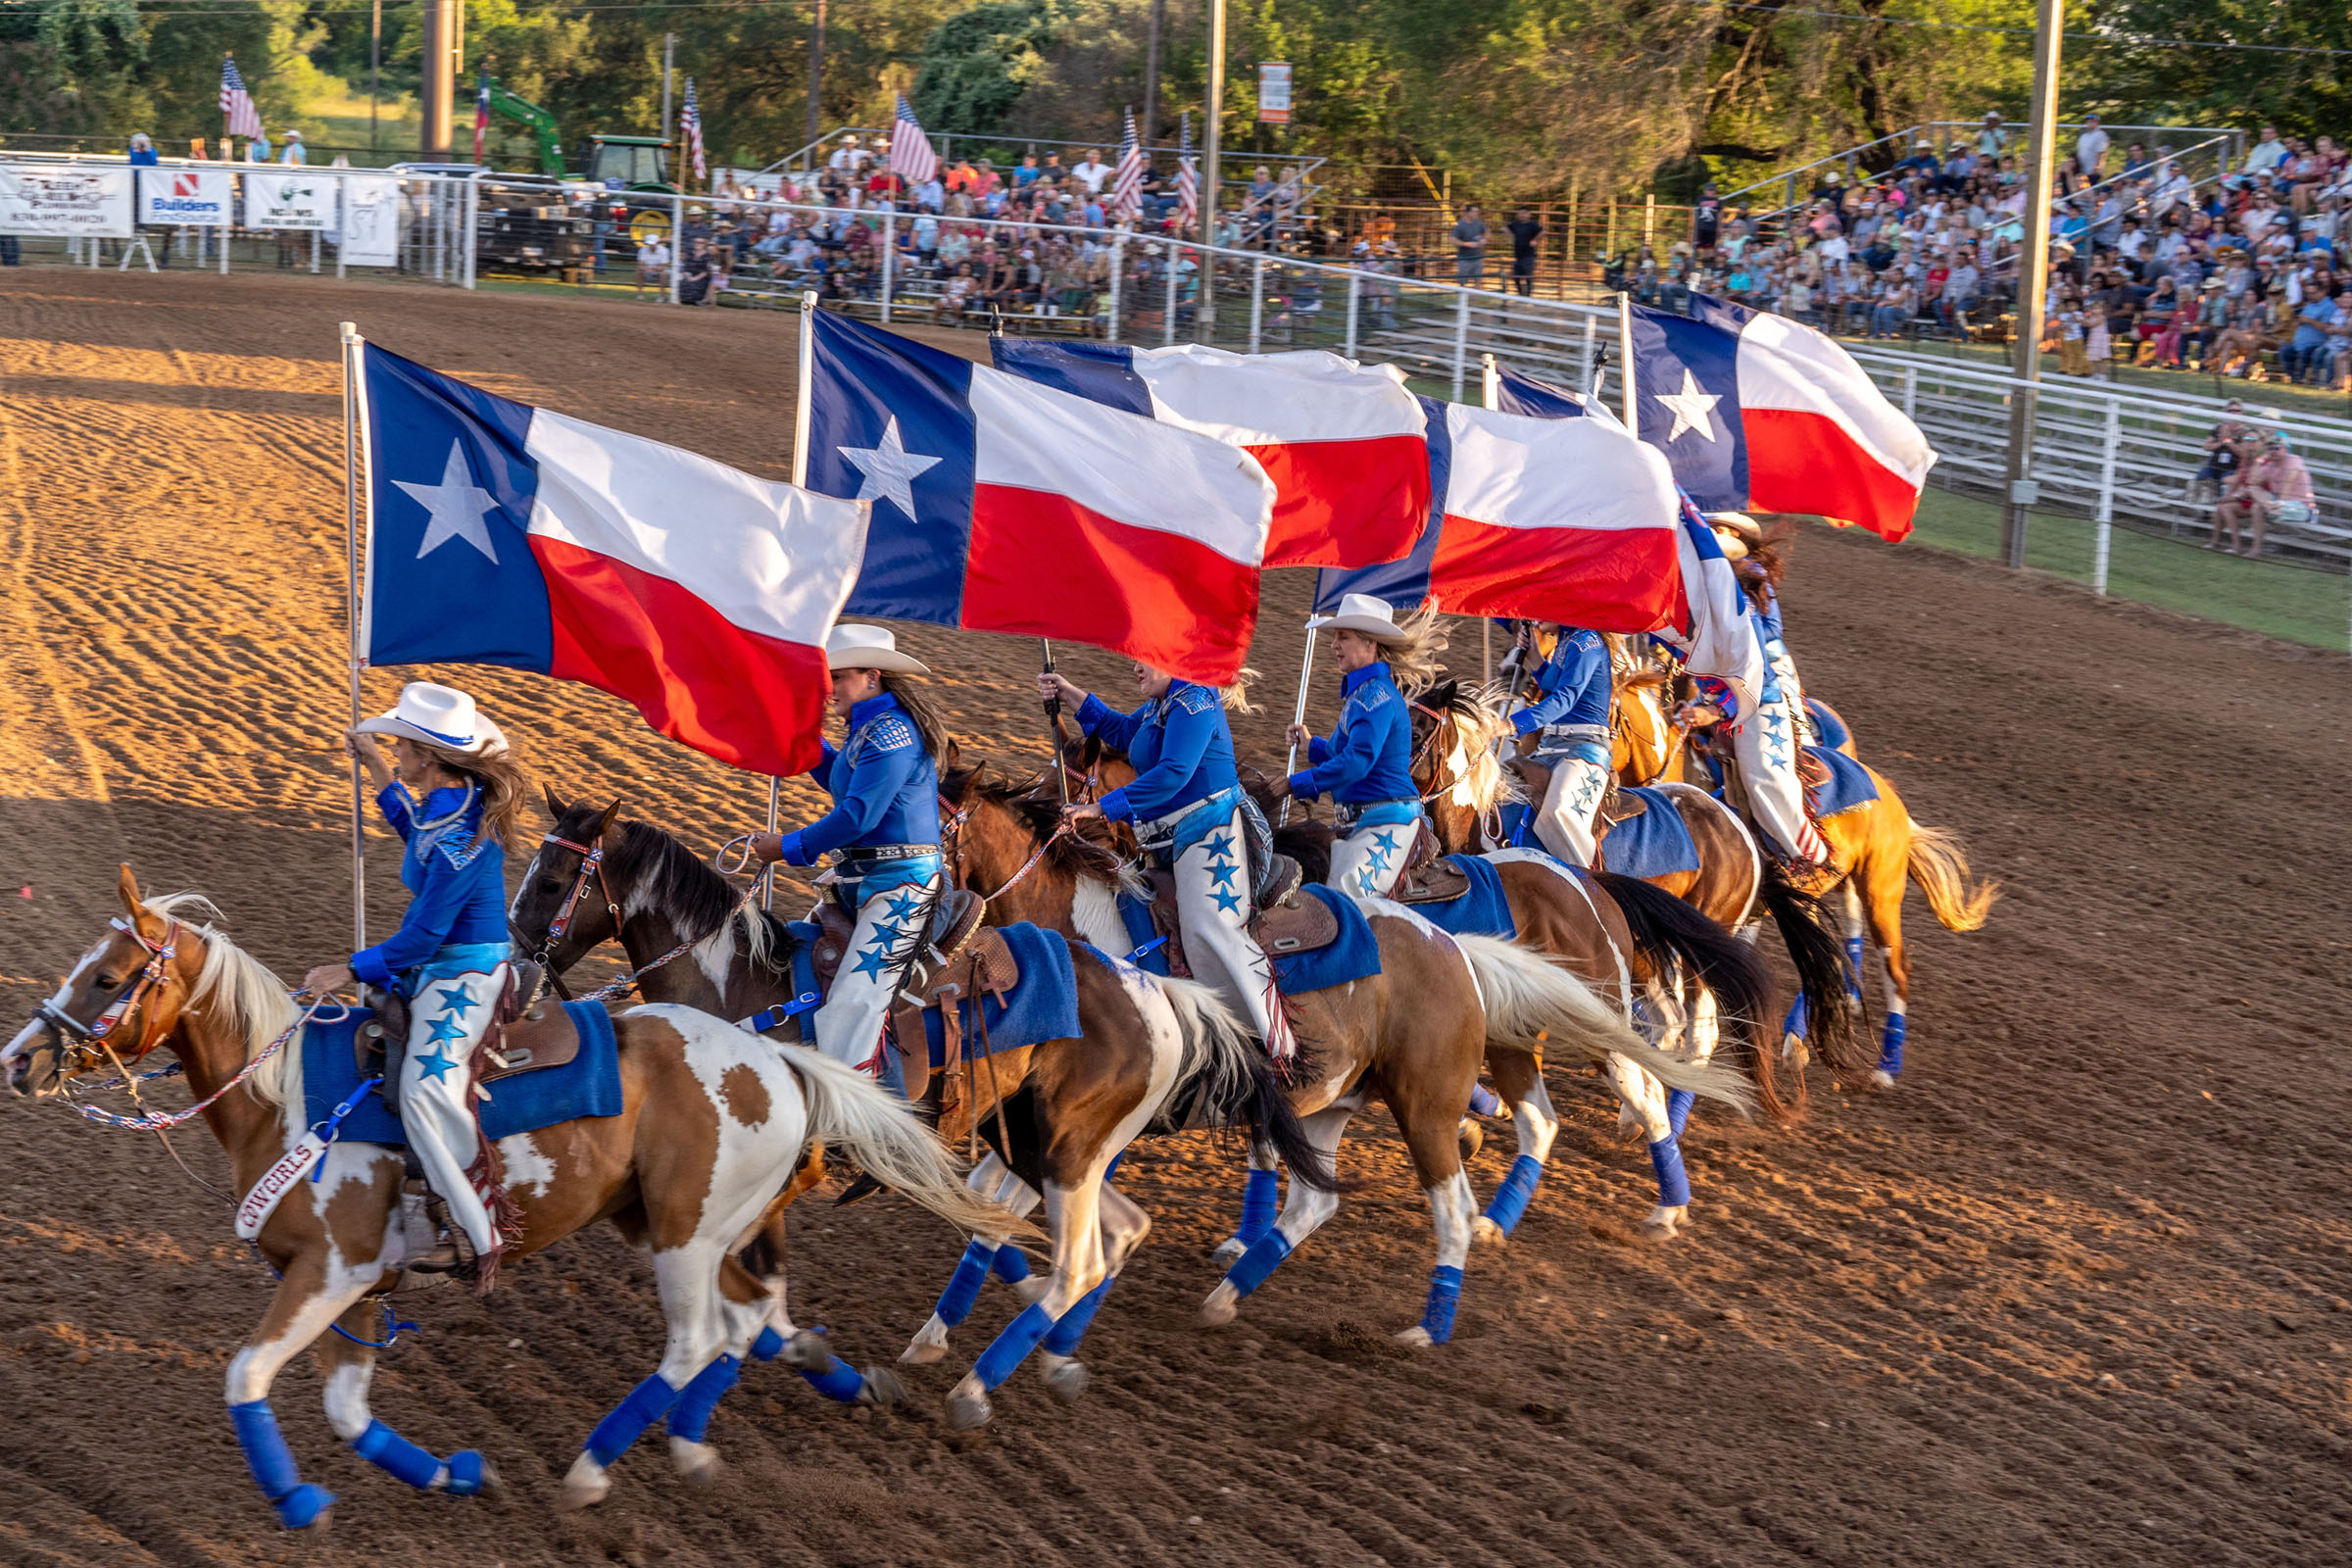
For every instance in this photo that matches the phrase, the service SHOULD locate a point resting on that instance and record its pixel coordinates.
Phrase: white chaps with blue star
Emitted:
(1564, 821)
(449, 1016)
(1367, 862)
(889, 928)
(1213, 908)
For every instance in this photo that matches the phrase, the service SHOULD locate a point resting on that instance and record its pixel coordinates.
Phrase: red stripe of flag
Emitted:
(1610, 579)
(1799, 461)
(1345, 502)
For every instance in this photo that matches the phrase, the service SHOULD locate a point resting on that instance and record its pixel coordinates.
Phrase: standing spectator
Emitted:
(1992, 139)
(1025, 173)
(1525, 231)
(849, 159)
(2073, 358)
(2091, 147)
(2267, 153)
(142, 151)
(1707, 218)
(256, 150)
(294, 152)
(1092, 172)
(1470, 247)
(2216, 474)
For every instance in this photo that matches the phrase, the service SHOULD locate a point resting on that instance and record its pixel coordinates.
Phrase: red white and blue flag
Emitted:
(1188, 181)
(236, 103)
(1127, 180)
(690, 129)
(1345, 444)
(503, 534)
(481, 112)
(911, 157)
(1758, 412)
(1003, 504)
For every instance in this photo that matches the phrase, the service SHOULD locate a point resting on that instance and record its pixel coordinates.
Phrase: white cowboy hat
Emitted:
(438, 715)
(1361, 613)
(850, 646)
(1743, 530)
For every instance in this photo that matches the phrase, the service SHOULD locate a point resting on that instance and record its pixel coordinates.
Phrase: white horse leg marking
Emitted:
(1301, 1213)
(1071, 1216)
(1124, 1227)
(1450, 1205)
(1537, 1124)
(1646, 1098)
(956, 1303)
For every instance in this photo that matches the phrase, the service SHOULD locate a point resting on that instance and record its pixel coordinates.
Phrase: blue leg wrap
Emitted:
(1011, 1347)
(839, 1382)
(1484, 1102)
(1853, 967)
(1674, 1181)
(1890, 1047)
(272, 1465)
(1677, 1108)
(1259, 1200)
(1445, 1294)
(396, 1456)
(1511, 1198)
(964, 1286)
(647, 1402)
(1071, 1326)
(690, 1417)
(768, 1346)
(1011, 1264)
(465, 1470)
(1797, 1020)
(1265, 1255)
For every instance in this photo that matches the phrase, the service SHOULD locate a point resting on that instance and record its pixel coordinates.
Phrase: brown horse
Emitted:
(712, 1125)
(1070, 1106)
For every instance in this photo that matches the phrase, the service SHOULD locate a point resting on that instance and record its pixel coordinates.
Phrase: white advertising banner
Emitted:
(371, 221)
(296, 199)
(48, 200)
(190, 194)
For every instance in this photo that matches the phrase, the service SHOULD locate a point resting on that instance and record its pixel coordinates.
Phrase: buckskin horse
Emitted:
(1065, 1107)
(711, 1123)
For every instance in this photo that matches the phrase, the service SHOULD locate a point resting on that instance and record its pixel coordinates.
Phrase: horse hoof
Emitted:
(1485, 1232)
(968, 1408)
(1881, 1078)
(882, 1388)
(1795, 1052)
(1472, 1138)
(1223, 1306)
(1663, 1224)
(1415, 1338)
(805, 1351)
(494, 1484)
(1033, 1289)
(1229, 1251)
(586, 1484)
(928, 1344)
(1067, 1382)
(697, 1462)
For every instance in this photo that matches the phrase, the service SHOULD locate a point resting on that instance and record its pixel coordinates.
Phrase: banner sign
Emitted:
(196, 196)
(1274, 94)
(371, 221)
(68, 201)
(296, 200)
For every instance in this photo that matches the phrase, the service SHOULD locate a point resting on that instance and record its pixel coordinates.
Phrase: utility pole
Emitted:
(1159, 15)
(2032, 278)
(375, 68)
(1206, 315)
(440, 78)
(669, 45)
(816, 77)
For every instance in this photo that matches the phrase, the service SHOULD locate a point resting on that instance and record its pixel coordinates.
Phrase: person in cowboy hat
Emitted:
(1187, 805)
(455, 794)
(883, 833)
(1569, 719)
(1366, 768)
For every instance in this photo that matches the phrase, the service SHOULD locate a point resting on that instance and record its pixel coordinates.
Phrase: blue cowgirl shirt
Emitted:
(1370, 755)
(884, 786)
(1573, 687)
(1179, 744)
(457, 877)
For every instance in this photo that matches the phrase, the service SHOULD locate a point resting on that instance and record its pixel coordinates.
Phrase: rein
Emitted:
(951, 833)
(164, 1121)
(592, 864)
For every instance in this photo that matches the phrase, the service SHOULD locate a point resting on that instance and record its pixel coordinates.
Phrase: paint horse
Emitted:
(1411, 1036)
(712, 1122)
(1073, 1104)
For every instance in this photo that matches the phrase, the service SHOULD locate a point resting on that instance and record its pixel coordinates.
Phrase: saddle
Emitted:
(981, 965)
(1535, 779)
(1282, 922)
(1437, 882)
(955, 919)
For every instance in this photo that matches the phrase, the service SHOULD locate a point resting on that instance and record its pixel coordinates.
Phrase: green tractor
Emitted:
(569, 231)
(639, 162)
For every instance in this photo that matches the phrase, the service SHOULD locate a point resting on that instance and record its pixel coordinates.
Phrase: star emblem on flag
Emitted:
(890, 469)
(1693, 408)
(455, 506)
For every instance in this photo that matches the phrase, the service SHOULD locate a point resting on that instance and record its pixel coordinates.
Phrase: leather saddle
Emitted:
(1437, 882)
(526, 1035)
(981, 965)
(1283, 923)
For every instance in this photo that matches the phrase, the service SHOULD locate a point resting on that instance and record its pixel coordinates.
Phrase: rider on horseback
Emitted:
(1187, 805)
(1757, 564)
(1366, 766)
(454, 796)
(1570, 719)
(883, 832)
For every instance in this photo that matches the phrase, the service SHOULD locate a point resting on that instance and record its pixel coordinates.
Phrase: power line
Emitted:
(2108, 40)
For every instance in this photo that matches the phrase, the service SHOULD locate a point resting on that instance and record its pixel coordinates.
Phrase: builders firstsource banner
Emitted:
(46, 199)
(203, 197)
(371, 221)
(295, 200)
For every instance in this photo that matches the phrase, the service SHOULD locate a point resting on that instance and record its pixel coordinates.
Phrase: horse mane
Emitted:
(256, 1002)
(663, 874)
(1478, 716)
(1040, 813)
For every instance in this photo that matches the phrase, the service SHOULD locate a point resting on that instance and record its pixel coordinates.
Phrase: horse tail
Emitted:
(1815, 950)
(1941, 868)
(1533, 1001)
(848, 1111)
(1670, 933)
(1236, 1084)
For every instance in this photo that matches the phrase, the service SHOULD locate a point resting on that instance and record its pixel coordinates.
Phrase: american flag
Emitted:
(910, 156)
(1187, 180)
(1127, 181)
(236, 103)
(481, 112)
(690, 129)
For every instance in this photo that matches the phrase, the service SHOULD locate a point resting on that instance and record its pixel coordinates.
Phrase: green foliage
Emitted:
(2302, 94)
(977, 64)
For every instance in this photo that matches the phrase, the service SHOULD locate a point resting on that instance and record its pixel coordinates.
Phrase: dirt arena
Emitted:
(2078, 1292)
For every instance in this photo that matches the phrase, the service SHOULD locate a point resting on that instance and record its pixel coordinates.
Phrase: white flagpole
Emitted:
(1490, 383)
(1306, 670)
(1625, 364)
(352, 344)
(800, 477)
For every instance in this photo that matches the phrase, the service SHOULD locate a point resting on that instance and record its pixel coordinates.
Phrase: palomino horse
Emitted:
(1084, 1098)
(1412, 1037)
(712, 1124)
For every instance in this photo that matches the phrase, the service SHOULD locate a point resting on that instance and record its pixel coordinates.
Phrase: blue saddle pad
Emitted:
(1483, 911)
(1353, 955)
(589, 1085)
(1042, 1007)
(1657, 843)
(1850, 786)
(1827, 724)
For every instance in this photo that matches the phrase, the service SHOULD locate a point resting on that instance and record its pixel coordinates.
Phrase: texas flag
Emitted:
(1562, 519)
(1757, 412)
(1004, 504)
(504, 534)
(1345, 444)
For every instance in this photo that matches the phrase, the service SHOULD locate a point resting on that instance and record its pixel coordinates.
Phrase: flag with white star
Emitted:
(504, 534)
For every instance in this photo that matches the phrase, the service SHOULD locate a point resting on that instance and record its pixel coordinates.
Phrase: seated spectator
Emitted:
(2309, 348)
(956, 298)
(2273, 486)
(2152, 322)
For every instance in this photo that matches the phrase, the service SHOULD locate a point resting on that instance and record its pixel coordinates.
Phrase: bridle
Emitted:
(951, 839)
(1443, 722)
(87, 1041)
(592, 866)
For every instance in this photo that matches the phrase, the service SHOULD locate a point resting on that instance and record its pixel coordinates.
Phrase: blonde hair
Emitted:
(1236, 697)
(1413, 658)
(506, 788)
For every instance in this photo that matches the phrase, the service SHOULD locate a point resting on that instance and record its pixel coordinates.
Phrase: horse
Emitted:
(712, 1122)
(1412, 1037)
(1071, 1105)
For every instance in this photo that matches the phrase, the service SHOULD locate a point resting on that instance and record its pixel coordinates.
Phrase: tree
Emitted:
(977, 64)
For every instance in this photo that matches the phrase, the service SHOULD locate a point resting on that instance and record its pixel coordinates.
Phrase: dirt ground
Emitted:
(2078, 1292)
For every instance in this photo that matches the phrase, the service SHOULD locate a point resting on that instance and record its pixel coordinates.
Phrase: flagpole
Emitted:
(1490, 383)
(799, 480)
(1625, 363)
(352, 344)
(1306, 672)
(1061, 772)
